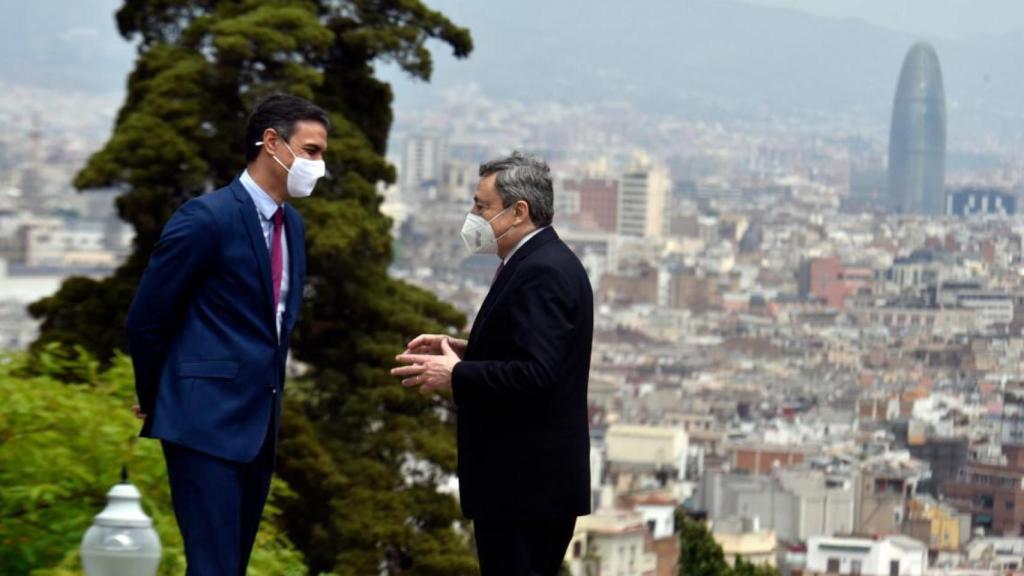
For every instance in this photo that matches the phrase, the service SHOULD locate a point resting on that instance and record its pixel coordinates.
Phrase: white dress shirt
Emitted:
(520, 244)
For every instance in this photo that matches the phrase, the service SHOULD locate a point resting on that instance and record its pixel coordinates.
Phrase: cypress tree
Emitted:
(363, 455)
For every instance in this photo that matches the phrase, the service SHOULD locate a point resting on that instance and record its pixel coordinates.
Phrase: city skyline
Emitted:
(806, 263)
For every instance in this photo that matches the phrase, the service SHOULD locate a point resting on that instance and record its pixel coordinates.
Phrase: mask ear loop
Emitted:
(503, 210)
(327, 173)
(505, 233)
(278, 160)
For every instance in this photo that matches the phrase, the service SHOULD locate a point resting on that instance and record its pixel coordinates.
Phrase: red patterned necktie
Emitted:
(276, 258)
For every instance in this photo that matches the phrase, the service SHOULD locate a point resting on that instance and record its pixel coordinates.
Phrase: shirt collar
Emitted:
(265, 205)
(520, 244)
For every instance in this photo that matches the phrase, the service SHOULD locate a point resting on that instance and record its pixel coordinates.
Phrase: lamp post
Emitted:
(121, 540)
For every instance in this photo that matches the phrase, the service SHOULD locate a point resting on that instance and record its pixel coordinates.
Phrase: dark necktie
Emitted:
(277, 258)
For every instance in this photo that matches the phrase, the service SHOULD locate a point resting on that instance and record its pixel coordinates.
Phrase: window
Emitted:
(577, 549)
(894, 568)
(832, 567)
(854, 567)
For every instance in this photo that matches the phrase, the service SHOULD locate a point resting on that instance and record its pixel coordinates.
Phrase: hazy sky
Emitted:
(927, 18)
(75, 42)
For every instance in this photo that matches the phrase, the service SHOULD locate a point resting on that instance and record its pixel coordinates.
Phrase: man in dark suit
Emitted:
(209, 333)
(520, 381)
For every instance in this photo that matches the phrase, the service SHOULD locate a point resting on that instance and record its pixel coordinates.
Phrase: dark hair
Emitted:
(521, 177)
(280, 112)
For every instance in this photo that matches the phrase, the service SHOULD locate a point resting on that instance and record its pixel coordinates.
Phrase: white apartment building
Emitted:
(423, 156)
(887, 556)
(648, 448)
(611, 543)
(643, 199)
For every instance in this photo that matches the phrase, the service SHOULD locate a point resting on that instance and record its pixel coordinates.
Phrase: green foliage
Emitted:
(350, 430)
(62, 446)
(744, 568)
(700, 555)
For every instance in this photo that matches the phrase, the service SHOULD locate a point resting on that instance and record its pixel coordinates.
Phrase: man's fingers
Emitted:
(446, 347)
(412, 358)
(423, 340)
(408, 382)
(416, 342)
(404, 371)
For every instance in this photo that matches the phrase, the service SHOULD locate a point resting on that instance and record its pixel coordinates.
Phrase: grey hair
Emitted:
(521, 177)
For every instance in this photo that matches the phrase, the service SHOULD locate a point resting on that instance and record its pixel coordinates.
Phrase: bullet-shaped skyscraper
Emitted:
(917, 139)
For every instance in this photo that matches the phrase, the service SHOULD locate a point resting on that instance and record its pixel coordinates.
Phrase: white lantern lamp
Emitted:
(121, 540)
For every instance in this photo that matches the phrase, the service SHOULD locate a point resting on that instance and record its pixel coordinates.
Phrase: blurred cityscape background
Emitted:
(802, 221)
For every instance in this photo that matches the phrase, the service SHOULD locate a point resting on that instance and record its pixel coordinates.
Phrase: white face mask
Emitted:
(479, 236)
(303, 174)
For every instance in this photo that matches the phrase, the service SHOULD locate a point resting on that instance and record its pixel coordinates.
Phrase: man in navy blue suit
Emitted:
(209, 332)
(520, 381)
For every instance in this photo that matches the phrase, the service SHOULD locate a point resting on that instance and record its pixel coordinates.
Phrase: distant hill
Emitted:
(717, 58)
(703, 58)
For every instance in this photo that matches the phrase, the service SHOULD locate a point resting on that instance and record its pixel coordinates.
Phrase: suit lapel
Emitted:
(500, 283)
(251, 223)
(503, 279)
(295, 249)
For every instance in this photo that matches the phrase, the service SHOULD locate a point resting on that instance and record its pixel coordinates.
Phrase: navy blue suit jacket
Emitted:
(521, 390)
(209, 367)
